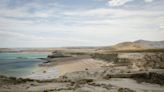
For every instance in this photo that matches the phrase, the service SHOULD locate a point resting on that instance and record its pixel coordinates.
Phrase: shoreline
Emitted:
(57, 69)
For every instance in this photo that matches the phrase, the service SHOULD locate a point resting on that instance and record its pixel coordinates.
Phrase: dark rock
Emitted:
(151, 77)
(58, 54)
(125, 90)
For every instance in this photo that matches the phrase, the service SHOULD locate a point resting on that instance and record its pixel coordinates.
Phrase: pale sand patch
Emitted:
(43, 73)
(80, 65)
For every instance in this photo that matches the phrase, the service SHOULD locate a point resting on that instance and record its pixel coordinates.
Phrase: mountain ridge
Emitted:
(138, 44)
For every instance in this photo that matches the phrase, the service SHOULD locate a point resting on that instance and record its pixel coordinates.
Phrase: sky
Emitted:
(62, 23)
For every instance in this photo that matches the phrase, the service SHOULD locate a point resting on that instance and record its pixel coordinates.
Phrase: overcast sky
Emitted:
(58, 23)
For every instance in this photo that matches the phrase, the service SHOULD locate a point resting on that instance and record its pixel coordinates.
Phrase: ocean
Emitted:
(20, 64)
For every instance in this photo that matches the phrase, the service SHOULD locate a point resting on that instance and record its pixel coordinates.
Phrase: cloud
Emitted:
(118, 2)
(122, 2)
(112, 13)
(37, 24)
(100, 26)
(148, 1)
(12, 39)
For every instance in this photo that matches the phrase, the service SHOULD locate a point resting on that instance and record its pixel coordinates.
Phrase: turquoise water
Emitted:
(22, 55)
(19, 64)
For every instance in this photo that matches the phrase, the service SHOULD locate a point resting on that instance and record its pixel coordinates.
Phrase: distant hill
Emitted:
(137, 45)
(151, 44)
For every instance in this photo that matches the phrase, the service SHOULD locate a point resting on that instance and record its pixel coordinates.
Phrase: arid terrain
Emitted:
(126, 67)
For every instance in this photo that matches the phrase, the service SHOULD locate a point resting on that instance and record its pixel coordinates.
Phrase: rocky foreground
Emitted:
(89, 81)
(120, 72)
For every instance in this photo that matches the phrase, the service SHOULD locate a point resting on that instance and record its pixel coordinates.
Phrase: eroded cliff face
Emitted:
(112, 57)
(145, 60)
(154, 60)
(134, 60)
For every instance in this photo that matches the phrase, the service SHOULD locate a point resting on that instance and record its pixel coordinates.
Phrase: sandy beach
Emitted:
(55, 71)
(80, 65)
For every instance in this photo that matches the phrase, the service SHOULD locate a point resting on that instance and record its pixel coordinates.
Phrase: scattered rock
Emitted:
(125, 90)
(44, 71)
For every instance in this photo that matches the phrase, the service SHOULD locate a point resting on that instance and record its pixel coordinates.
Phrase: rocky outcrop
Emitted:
(148, 61)
(58, 54)
(134, 60)
(107, 57)
(154, 60)
(125, 90)
(107, 74)
(83, 81)
(13, 80)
